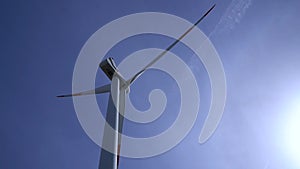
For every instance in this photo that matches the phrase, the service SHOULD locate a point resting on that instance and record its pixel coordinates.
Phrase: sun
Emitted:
(292, 133)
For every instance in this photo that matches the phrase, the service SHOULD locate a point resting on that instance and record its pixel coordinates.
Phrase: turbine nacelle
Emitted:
(109, 67)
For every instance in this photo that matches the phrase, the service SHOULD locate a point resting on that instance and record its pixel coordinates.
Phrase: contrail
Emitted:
(232, 16)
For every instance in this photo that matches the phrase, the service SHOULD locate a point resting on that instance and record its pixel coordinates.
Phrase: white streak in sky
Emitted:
(232, 16)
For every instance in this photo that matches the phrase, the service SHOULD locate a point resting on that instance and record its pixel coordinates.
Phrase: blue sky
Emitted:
(259, 48)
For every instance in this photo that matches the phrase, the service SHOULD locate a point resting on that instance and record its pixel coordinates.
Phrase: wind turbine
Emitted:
(118, 89)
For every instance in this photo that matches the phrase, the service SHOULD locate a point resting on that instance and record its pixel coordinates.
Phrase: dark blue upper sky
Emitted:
(258, 42)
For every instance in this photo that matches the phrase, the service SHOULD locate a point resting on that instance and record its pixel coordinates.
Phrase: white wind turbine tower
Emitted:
(118, 89)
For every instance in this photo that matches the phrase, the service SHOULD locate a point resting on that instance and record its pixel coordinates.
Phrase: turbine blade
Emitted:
(131, 80)
(98, 90)
(114, 118)
(122, 100)
(110, 159)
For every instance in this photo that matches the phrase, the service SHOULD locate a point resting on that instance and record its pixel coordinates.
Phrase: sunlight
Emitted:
(292, 133)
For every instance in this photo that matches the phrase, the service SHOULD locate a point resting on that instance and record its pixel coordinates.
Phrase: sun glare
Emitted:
(292, 132)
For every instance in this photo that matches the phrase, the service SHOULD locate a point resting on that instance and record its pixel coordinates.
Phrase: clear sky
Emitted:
(258, 43)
